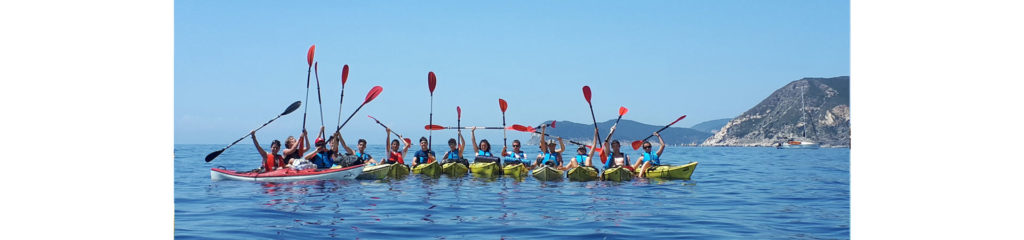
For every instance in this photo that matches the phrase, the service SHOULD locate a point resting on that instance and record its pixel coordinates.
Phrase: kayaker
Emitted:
(482, 149)
(323, 157)
(271, 161)
(361, 157)
(552, 157)
(295, 148)
(424, 155)
(516, 155)
(649, 159)
(395, 156)
(616, 158)
(583, 158)
(455, 152)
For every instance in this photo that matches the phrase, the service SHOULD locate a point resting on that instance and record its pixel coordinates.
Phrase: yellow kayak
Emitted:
(547, 173)
(671, 172)
(429, 169)
(485, 169)
(454, 169)
(617, 174)
(582, 174)
(377, 172)
(515, 170)
(399, 171)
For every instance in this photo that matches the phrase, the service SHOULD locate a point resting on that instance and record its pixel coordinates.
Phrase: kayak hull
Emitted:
(399, 171)
(287, 175)
(617, 174)
(453, 169)
(485, 169)
(671, 172)
(377, 172)
(515, 170)
(582, 174)
(430, 169)
(547, 173)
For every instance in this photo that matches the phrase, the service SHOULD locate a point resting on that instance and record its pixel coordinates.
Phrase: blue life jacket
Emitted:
(581, 159)
(485, 154)
(323, 160)
(453, 155)
(553, 158)
(651, 157)
(516, 157)
(611, 160)
(422, 157)
(363, 156)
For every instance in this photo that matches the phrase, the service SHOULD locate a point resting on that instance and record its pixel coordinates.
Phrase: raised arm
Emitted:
(406, 149)
(387, 141)
(334, 145)
(462, 146)
(606, 147)
(343, 145)
(543, 144)
(561, 146)
(259, 149)
(472, 135)
(662, 142)
(590, 156)
(304, 142)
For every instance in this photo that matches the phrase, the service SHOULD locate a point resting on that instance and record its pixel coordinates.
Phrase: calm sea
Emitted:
(753, 193)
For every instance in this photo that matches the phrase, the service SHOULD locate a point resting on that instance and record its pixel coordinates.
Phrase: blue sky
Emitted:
(237, 64)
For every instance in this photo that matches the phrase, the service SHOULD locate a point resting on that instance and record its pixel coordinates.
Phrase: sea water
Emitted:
(755, 193)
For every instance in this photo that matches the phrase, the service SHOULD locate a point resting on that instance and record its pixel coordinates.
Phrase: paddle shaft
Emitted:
(319, 100)
(666, 127)
(339, 105)
(213, 155)
(350, 116)
(304, 108)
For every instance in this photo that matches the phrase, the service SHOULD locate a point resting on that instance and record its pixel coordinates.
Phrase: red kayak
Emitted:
(285, 175)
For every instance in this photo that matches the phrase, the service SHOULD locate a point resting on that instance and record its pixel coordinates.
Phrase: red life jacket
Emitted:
(273, 161)
(395, 157)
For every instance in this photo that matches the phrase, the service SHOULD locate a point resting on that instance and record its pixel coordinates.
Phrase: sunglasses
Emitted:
(515, 145)
(647, 147)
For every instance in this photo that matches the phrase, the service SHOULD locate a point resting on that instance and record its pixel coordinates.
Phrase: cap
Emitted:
(319, 141)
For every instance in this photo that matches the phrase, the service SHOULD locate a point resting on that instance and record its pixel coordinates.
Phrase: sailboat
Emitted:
(792, 143)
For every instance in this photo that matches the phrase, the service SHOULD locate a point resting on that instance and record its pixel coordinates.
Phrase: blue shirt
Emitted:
(323, 159)
(422, 157)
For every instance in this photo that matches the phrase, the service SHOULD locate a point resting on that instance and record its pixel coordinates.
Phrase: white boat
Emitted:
(797, 144)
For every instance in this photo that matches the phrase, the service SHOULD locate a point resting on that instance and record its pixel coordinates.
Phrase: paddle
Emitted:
(431, 83)
(586, 94)
(290, 109)
(344, 78)
(407, 140)
(638, 143)
(374, 92)
(439, 127)
(459, 122)
(309, 61)
(504, 106)
(319, 100)
(622, 111)
(522, 128)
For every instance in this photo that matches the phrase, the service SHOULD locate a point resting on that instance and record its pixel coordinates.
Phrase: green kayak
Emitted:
(485, 169)
(617, 174)
(547, 173)
(671, 172)
(515, 170)
(582, 174)
(454, 169)
(430, 169)
(375, 172)
(399, 171)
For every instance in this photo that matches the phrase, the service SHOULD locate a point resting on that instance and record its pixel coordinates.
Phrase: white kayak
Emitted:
(286, 175)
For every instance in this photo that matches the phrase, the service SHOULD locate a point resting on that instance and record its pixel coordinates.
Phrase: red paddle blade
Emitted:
(552, 124)
(375, 119)
(309, 56)
(623, 110)
(636, 144)
(433, 127)
(344, 74)
(677, 120)
(374, 92)
(408, 141)
(586, 93)
(459, 110)
(502, 104)
(521, 128)
(604, 157)
(431, 81)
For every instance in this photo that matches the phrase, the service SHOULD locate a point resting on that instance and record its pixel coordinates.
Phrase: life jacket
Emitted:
(485, 154)
(581, 159)
(422, 157)
(272, 162)
(323, 159)
(514, 157)
(611, 162)
(395, 157)
(651, 157)
(363, 156)
(553, 158)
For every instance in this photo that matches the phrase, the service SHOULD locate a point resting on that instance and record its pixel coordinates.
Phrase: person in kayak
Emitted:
(395, 156)
(583, 158)
(649, 159)
(616, 158)
(295, 148)
(552, 157)
(361, 157)
(482, 149)
(323, 157)
(455, 153)
(271, 161)
(516, 155)
(424, 155)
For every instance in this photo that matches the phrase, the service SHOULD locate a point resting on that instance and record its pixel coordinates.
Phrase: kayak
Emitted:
(515, 170)
(430, 169)
(617, 174)
(547, 173)
(375, 172)
(287, 174)
(399, 171)
(582, 174)
(485, 169)
(671, 172)
(454, 169)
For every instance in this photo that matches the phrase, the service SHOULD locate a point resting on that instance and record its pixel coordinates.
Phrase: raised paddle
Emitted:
(622, 111)
(319, 100)
(504, 106)
(638, 143)
(431, 83)
(374, 92)
(344, 78)
(309, 61)
(586, 94)
(407, 140)
(458, 121)
(522, 128)
(290, 109)
(439, 127)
